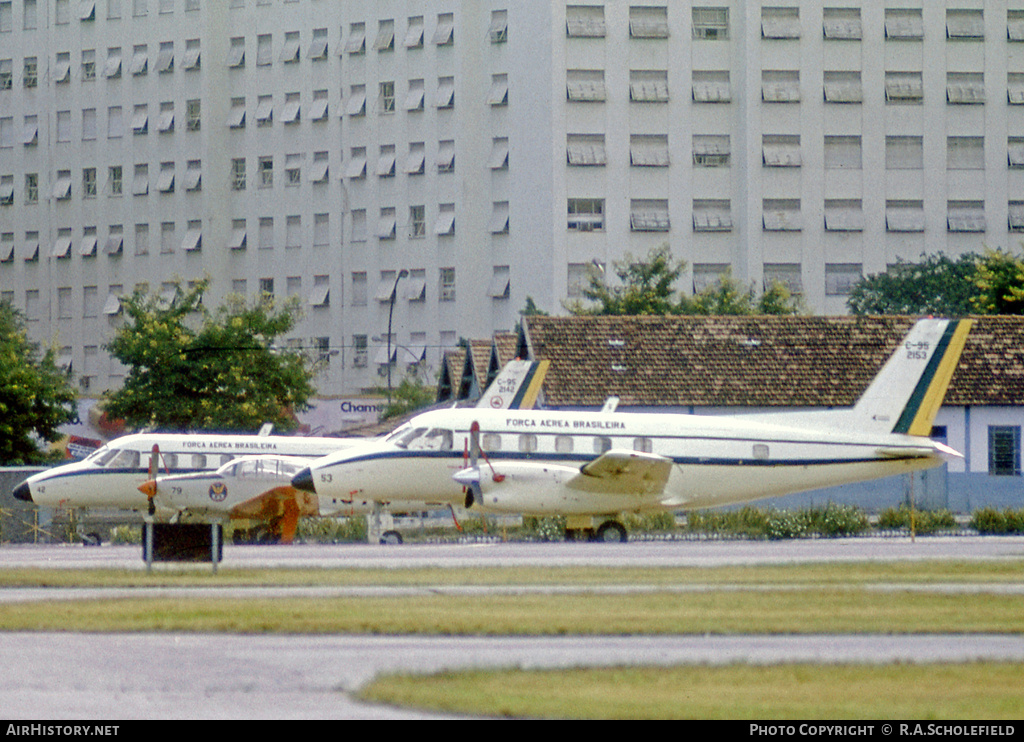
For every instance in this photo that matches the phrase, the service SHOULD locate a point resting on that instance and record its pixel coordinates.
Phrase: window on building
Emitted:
(843, 87)
(711, 150)
(712, 215)
(414, 33)
(499, 218)
(444, 32)
(840, 278)
(780, 86)
(112, 68)
(584, 21)
(264, 50)
(498, 30)
(498, 94)
(649, 215)
(843, 152)
(781, 215)
(648, 150)
(648, 22)
(711, 86)
(445, 226)
(385, 41)
(581, 85)
(447, 284)
(1015, 152)
(1004, 450)
(291, 52)
(965, 153)
(645, 86)
(780, 23)
(904, 24)
(356, 42)
(711, 24)
(965, 216)
(446, 156)
(387, 223)
(783, 274)
(1015, 216)
(904, 153)
(386, 161)
(965, 88)
(965, 25)
(904, 216)
(780, 150)
(585, 149)
(238, 174)
(498, 159)
(586, 214)
(386, 97)
(904, 87)
(842, 24)
(844, 215)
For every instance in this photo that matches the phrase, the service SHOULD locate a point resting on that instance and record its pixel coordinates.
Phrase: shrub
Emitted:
(924, 521)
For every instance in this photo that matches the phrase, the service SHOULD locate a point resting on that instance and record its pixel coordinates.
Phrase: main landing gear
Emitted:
(609, 532)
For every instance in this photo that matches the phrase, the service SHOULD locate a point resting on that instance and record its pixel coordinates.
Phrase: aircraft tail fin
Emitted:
(516, 387)
(906, 394)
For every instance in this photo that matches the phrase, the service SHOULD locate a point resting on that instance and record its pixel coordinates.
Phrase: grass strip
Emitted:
(811, 610)
(923, 572)
(984, 690)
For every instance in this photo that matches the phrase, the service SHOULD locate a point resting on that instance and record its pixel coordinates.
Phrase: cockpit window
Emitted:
(104, 456)
(126, 459)
(409, 436)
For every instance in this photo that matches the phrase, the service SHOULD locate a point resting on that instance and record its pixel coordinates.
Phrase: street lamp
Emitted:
(391, 310)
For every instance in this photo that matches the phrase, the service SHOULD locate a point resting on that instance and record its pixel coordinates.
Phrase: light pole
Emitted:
(391, 310)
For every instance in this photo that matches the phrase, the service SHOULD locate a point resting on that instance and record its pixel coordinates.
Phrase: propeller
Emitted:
(148, 488)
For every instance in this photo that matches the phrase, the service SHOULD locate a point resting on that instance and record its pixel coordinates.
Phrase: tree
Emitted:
(411, 394)
(999, 284)
(190, 369)
(36, 397)
(648, 287)
(728, 297)
(937, 285)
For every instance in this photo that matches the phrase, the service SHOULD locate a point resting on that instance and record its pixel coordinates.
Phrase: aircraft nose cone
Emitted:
(22, 492)
(304, 481)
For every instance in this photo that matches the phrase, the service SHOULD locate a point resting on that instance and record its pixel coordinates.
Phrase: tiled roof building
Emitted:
(754, 361)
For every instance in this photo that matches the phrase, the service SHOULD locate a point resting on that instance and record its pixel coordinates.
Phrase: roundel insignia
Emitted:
(497, 402)
(218, 491)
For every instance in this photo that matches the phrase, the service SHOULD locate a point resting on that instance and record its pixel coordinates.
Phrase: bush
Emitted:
(924, 521)
(991, 521)
(331, 530)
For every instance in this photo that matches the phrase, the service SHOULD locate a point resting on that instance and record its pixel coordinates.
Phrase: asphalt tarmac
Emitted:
(58, 676)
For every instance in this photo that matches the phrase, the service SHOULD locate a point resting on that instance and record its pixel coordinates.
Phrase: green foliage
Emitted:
(830, 521)
(992, 283)
(411, 394)
(647, 287)
(531, 309)
(551, 528)
(922, 521)
(999, 284)
(36, 397)
(331, 530)
(937, 285)
(190, 369)
(990, 521)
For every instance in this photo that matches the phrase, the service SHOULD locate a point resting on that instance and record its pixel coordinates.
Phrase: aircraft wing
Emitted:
(622, 471)
(280, 506)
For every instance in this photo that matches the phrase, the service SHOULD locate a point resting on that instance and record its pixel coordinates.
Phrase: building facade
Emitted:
(434, 164)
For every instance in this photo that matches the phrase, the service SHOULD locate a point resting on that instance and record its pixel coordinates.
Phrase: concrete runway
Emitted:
(171, 676)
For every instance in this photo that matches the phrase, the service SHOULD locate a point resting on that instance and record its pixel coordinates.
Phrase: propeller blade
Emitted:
(474, 444)
(154, 468)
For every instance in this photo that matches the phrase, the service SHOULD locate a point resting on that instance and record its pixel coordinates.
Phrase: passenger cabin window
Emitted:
(602, 444)
(563, 444)
(527, 442)
(643, 444)
(198, 461)
(491, 442)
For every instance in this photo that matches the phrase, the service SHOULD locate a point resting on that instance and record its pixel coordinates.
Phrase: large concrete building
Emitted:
(478, 152)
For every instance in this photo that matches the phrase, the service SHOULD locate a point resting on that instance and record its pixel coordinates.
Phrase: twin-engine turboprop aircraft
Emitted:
(121, 474)
(594, 466)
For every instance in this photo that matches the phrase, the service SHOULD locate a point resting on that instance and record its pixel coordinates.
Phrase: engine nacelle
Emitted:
(543, 489)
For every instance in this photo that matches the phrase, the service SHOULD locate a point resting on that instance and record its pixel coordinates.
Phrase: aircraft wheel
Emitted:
(611, 532)
(391, 538)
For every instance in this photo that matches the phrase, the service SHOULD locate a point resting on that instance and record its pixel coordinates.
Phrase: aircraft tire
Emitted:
(610, 532)
(391, 538)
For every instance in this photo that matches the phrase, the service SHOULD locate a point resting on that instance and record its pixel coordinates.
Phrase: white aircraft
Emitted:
(254, 488)
(594, 466)
(111, 476)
